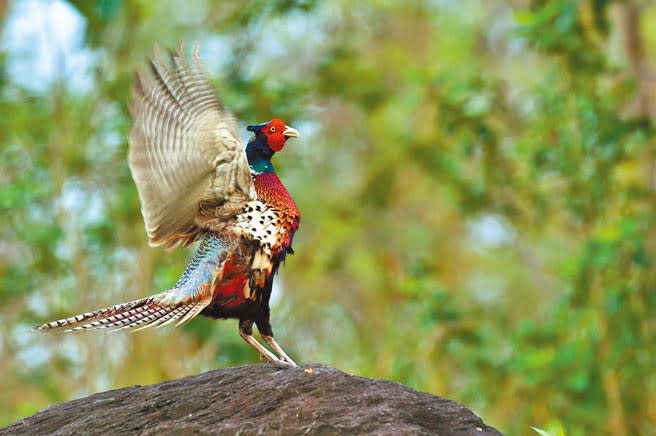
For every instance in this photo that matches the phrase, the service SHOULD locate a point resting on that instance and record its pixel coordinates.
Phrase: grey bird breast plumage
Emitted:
(184, 149)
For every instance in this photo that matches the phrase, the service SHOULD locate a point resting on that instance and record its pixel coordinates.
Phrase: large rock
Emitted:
(258, 399)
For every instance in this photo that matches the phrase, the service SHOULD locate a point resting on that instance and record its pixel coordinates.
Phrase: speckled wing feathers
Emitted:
(184, 151)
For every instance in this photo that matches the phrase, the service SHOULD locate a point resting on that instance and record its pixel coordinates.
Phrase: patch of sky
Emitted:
(490, 231)
(44, 40)
(82, 205)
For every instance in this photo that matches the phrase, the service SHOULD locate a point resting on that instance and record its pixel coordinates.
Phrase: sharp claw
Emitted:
(288, 361)
(283, 364)
(278, 361)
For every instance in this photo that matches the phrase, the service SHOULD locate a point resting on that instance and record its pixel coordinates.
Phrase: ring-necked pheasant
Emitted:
(196, 182)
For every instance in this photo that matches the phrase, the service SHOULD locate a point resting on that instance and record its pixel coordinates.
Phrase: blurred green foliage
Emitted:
(477, 184)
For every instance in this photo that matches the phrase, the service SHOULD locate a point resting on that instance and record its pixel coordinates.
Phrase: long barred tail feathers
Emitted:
(188, 297)
(139, 313)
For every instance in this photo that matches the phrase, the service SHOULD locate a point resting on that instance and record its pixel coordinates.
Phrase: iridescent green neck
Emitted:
(262, 166)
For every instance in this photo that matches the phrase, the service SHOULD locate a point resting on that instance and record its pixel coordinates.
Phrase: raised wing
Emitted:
(184, 150)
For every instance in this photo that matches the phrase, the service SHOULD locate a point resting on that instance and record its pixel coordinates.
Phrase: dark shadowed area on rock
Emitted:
(258, 399)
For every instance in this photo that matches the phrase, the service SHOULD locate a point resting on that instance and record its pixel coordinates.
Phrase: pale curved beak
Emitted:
(291, 132)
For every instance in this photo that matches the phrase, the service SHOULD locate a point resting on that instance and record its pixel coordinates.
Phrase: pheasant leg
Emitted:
(268, 355)
(283, 356)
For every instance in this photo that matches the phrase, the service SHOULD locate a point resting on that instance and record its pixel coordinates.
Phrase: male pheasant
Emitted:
(196, 182)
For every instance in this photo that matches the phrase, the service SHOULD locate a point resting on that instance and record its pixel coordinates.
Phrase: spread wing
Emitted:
(184, 150)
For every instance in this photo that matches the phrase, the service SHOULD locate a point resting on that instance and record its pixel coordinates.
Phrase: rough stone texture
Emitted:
(258, 399)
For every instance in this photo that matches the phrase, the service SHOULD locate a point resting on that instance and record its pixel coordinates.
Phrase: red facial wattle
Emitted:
(274, 133)
(276, 141)
(277, 132)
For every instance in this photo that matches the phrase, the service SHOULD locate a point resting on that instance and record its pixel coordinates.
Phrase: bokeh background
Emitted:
(477, 182)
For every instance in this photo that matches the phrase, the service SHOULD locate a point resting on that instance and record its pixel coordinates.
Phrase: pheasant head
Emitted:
(269, 138)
